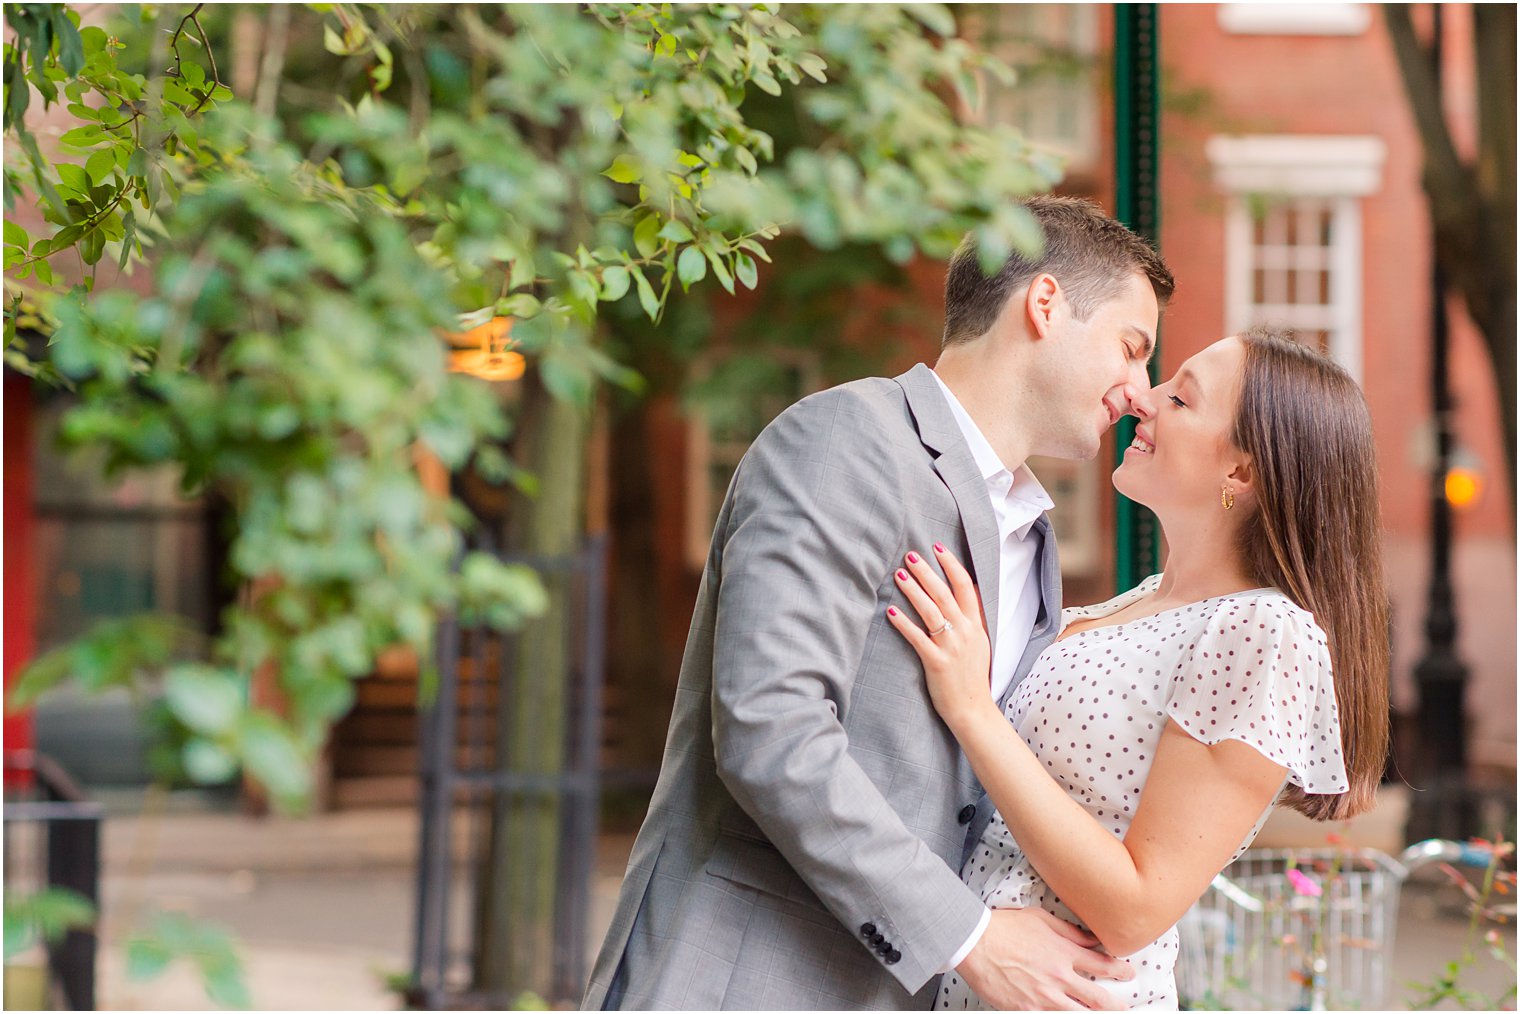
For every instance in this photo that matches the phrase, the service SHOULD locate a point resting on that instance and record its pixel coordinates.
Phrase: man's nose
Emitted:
(1139, 398)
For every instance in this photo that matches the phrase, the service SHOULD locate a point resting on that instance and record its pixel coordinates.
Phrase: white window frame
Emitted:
(1335, 171)
(1294, 18)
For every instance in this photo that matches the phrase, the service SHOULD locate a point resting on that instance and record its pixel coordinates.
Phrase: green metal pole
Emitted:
(1137, 145)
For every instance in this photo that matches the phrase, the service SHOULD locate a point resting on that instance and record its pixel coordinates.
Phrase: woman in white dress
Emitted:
(1147, 745)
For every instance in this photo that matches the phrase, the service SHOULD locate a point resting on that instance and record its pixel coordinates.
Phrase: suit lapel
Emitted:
(953, 461)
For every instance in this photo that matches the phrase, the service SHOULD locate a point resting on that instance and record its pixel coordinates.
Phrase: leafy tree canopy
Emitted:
(310, 251)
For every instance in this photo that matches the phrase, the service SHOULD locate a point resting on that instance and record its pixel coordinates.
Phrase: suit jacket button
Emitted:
(877, 939)
(868, 929)
(967, 812)
(883, 948)
(893, 956)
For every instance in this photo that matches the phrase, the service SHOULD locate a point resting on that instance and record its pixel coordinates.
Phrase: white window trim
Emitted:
(1294, 19)
(1298, 165)
(1339, 170)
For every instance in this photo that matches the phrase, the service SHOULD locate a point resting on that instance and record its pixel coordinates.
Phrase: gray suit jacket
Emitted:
(803, 845)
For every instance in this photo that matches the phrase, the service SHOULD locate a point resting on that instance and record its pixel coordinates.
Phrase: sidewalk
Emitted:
(323, 907)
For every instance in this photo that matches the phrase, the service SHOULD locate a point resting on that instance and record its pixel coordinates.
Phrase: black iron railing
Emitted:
(474, 787)
(61, 850)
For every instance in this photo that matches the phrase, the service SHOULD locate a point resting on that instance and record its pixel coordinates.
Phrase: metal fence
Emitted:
(501, 761)
(52, 840)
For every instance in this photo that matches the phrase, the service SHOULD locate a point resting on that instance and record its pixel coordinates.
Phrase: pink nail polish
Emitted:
(912, 557)
(891, 610)
(939, 547)
(902, 575)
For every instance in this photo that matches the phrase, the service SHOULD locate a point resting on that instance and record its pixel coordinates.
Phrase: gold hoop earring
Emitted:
(1226, 497)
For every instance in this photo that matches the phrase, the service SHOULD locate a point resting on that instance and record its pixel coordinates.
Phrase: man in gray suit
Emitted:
(804, 842)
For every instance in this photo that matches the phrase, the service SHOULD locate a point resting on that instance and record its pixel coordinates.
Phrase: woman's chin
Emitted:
(1124, 482)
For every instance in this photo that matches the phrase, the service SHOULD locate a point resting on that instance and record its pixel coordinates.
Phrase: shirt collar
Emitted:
(1021, 489)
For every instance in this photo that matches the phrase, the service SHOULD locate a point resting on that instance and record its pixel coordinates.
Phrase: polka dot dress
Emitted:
(1251, 667)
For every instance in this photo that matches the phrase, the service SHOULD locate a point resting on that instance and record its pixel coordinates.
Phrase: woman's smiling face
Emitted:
(1182, 454)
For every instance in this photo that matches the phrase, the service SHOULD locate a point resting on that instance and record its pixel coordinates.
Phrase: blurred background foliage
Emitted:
(303, 210)
(311, 247)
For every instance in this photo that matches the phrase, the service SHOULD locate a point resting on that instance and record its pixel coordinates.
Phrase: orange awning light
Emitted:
(486, 351)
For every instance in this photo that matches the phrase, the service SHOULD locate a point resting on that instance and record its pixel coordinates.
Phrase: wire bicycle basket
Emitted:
(1301, 929)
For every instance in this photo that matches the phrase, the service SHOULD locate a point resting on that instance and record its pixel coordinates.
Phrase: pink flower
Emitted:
(1304, 884)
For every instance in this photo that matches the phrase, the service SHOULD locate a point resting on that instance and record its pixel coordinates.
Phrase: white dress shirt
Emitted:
(1018, 500)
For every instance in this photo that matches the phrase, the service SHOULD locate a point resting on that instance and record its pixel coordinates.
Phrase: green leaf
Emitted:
(100, 165)
(691, 266)
(128, 239)
(747, 160)
(137, 165)
(18, 95)
(333, 42)
(207, 763)
(70, 46)
(755, 248)
(83, 137)
(15, 235)
(110, 655)
(676, 232)
(92, 245)
(48, 914)
(766, 83)
(647, 299)
(176, 92)
(172, 936)
(74, 178)
(720, 269)
(646, 235)
(744, 269)
(583, 287)
(615, 283)
(624, 169)
(935, 17)
(271, 755)
(146, 959)
(813, 66)
(503, 595)
(207, 700)
(39, 167)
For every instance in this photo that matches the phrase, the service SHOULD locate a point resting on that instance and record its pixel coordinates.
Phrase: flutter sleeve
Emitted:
(1260, 673)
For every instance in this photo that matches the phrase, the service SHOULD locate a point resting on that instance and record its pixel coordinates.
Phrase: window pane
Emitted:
(1055, 99)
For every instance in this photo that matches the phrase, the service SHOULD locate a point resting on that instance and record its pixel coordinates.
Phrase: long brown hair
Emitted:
(1316, 535)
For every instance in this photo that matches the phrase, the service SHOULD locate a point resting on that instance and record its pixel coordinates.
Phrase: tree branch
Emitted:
(1494, 41)
(268, 90)
(1424, 91)
(1457, 209)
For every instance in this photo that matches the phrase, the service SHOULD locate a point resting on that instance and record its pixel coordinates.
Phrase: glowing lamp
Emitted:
(486, 352)
(1463, 486)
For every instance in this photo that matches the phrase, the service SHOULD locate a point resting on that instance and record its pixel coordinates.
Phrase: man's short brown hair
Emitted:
(1089, 253)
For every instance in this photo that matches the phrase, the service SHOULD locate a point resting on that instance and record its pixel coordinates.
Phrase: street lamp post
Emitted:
(1440, 675)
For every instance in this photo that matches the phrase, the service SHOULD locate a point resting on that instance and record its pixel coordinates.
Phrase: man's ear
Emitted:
(1042, 302)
